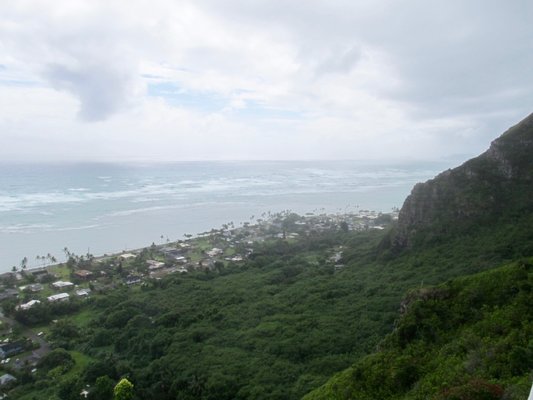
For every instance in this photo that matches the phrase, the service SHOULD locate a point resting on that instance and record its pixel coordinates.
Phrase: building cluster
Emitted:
(207, 252)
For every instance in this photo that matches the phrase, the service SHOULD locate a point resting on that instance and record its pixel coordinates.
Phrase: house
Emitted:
(83, 292)
(7, 276)
(132, 280)
(7, 378)
(83, 274)
(62, 285)
(161, 273)
(235, 258)
(8, 294)
(214, 252)
(171, 252)
(58, 297)
(34, 288)
(29, 304)
(153, 264)
(40, 274)
(10, 349)
(127, 256)
(38, 271)
(336, 257)
(206, 264)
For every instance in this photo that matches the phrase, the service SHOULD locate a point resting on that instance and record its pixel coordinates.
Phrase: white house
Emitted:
(153, 264)
(62, 285)
(58, 297)
(214, 252)
(29, 304)
(127, 256)
(83, 292)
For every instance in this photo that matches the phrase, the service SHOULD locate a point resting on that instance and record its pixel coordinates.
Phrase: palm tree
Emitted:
(24, 263)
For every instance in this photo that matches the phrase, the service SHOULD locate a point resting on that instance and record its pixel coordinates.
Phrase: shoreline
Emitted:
(369, 215)
(110, 209)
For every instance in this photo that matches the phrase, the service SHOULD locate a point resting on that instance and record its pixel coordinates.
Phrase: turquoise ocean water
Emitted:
(105, 208)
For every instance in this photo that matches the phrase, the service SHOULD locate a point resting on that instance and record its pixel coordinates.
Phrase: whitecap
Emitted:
(25, 228)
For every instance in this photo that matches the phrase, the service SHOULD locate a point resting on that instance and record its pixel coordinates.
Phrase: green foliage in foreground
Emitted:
(470, 338)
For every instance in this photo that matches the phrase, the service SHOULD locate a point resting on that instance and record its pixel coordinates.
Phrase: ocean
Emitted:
(107, 208)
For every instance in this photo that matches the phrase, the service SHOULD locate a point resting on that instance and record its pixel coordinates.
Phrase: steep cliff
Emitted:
(496, 185)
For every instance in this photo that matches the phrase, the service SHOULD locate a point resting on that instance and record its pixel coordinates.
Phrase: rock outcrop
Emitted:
(495, 184)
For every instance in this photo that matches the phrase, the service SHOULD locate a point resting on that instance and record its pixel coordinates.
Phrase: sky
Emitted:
(172, 80)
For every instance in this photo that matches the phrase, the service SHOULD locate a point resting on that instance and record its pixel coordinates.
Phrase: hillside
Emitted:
(467, 339)
(311, 298)
(495, 187)
(273, 327)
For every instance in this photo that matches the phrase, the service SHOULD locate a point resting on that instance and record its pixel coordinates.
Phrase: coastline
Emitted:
(110, 208)
(362, 220)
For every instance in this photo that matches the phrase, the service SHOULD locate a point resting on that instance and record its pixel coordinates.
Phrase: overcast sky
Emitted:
(261, 79)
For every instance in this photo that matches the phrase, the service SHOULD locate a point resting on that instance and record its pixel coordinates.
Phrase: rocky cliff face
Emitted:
(495, 184)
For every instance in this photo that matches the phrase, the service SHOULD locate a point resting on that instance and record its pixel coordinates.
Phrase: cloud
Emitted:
(80, 48)
(101, 90)
(239, 79)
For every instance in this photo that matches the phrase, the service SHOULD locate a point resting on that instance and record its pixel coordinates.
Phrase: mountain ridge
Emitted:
(497, 183)
(467, 337)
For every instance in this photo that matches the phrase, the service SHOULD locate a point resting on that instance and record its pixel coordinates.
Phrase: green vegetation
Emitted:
(438, 307)
(123, 390)
(274, 327)
(470, 338)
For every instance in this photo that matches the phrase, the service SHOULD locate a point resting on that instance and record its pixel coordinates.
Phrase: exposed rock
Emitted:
(495, 183)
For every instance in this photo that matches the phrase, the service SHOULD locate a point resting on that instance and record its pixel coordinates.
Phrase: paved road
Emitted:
(38, 353)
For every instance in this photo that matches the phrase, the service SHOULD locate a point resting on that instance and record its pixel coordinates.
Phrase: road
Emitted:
(37, 353)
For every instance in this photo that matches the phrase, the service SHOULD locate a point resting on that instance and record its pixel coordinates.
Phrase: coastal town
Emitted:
(59, 288)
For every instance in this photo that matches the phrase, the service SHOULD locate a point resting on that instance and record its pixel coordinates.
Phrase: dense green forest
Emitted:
(467, 339)
(275, 327)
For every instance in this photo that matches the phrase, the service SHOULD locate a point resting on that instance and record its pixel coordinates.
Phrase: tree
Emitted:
(24, 263)
(344, 226)
(57, 358)
(103, 389)
(123, 390)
